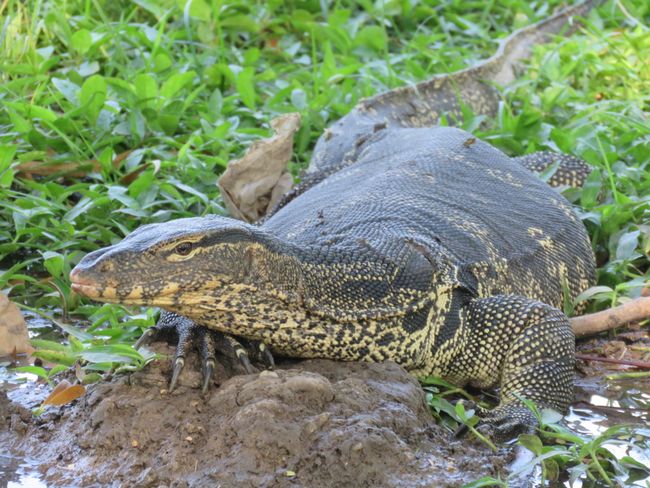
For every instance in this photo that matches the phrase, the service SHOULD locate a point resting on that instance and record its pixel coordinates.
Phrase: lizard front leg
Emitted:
(208, 342)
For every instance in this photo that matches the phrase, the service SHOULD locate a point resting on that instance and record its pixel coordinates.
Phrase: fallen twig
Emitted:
(625, 362)
(594, 323)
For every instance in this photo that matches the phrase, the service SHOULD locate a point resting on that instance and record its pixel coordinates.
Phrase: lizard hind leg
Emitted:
(524, 347)
(567, 170)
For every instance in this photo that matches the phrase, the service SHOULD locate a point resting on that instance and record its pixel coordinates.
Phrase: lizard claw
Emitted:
(242, 355)
(208, 370)
(146, 337)
(266, 355)
(179, 362)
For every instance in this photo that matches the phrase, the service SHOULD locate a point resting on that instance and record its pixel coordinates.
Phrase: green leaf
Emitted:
(593, 292)
(197, 8)
(151, 6)
(532, 443)
(68, 89)
(93, 96)
(246, 87)
(161, 62)
(81, 41)
(56, 369)
(299, 99)
(373, 37)
(7, 153)
(552, 469)
(114, 353)
(176, 83)
(48, 345)
(550, 416)
(56, 357)
(146, 89)
(627, 245)
(91, 378)
(485, 481)
(37, 370)
(73, 331)
(53, 262)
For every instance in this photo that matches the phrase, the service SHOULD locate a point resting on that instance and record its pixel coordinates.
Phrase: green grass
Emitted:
(152, 98)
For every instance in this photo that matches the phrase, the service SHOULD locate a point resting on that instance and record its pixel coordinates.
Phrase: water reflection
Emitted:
(18, 473)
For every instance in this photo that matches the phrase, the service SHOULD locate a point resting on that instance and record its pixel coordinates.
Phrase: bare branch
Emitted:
(594, 323)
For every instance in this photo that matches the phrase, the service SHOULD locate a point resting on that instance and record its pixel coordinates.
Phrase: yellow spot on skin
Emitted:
(135, 294)
(169, 289)
(109, 292)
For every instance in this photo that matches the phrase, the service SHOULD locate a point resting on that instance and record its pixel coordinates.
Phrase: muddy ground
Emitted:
(311, 423)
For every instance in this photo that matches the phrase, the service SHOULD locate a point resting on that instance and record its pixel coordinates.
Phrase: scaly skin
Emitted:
(445, 257)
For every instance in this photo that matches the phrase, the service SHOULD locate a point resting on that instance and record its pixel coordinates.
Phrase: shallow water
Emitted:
(17, 472)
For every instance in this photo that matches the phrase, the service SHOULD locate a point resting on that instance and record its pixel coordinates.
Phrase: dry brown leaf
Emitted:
(13, 329)
(252, 185)
(64, 394)
(71, 169)
(62, 385)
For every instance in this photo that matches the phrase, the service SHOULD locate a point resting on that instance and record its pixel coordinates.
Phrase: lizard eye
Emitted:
(183, 249)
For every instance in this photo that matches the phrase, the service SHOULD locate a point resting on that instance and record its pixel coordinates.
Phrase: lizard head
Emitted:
(167, 264)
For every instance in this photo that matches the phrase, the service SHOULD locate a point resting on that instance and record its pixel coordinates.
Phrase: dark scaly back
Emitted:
(507, 231)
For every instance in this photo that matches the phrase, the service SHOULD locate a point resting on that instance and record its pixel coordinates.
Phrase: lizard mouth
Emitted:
(88, 287)
(86, 290)
(83, 285)
(102, 294)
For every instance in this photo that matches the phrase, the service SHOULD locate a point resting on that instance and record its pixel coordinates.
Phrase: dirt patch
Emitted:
(310, 423)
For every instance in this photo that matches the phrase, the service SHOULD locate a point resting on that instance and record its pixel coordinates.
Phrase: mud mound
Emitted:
(313, 423)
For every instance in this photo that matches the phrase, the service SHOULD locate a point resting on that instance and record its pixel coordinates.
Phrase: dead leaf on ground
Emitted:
(252, 185)
(71, 169)
(14, 337)
(64, 393)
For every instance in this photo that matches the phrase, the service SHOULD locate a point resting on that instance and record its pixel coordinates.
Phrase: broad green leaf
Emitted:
(627, 245)
(161, 62)
(486, 481)
(146, 89)
(68, 89)
(592, 292)
(56, 357)
(49, 345)
(93, 96)
(91, 378)
(532, 443)
(152, 6)
(176, 83)
(37, 370)
(550, 416)
(73, 331)
(7, 153)
(53, 262)
(299, 99)
(81, 41)
(197, 8)
(373, 37)
(246, 87)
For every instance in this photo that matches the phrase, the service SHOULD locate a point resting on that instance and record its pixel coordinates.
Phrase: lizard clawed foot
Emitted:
(502, 423)
(207, 341)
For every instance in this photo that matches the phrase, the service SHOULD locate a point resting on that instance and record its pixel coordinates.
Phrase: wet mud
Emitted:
(313, 423)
